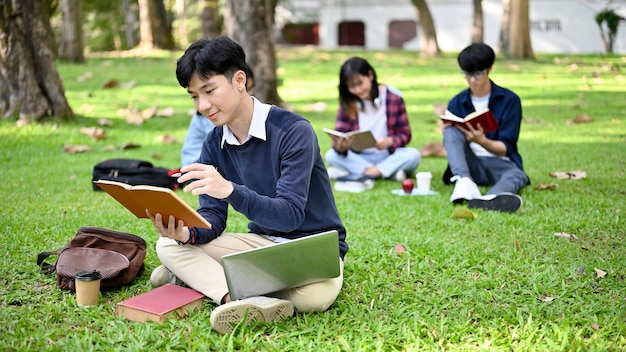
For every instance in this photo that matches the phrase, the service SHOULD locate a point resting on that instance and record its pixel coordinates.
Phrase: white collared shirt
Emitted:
(257, 125)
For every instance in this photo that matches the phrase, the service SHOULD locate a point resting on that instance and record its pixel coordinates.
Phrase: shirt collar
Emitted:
(260, 112)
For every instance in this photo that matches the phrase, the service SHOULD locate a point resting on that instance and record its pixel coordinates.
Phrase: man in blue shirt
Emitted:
(265, 163)
(476, 158)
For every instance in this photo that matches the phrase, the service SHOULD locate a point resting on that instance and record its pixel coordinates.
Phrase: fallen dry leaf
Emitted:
(109, 147)
(134, 117)
(574, 175)
(317, 107)
(565, 235)
(167, 139)
(533, 120)
(105, 122)
(111, 84)
(76, 148)
(400, 248)
(150, 112)
(156, 156)
(129, 145)
(434, 149)
(544, 186)
(85, 76)
(580, 118)
(129, 84)
(96, 133)
(546, 298)
(439, 109)
(600, 273)
(463, 213)
(167, 112)
(595, 326)
(577, 174)
(561, 175)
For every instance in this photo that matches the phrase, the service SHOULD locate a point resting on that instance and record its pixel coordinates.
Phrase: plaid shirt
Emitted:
(397, 121)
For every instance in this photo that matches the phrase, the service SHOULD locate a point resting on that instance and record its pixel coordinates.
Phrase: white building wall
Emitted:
(578, 33)
(375, 17)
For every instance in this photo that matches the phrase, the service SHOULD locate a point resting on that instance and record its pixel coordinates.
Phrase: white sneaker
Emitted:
(400, 175)
(162, 275)
(354, 186)
(226, 317)
(464, 190)
(506, 202)
(336, 172)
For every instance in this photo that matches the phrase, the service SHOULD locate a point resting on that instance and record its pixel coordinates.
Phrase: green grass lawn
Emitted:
(499, 282)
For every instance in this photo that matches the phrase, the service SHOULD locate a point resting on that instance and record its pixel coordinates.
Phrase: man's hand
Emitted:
(178, 232)
(207, 180)
(476, 135)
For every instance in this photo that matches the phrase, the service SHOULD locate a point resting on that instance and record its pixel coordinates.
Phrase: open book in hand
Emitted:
(484, 118)
(160, 200)
(362, 139)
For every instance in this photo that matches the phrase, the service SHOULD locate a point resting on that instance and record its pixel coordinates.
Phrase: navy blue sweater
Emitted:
(507, 109)
(281, 184)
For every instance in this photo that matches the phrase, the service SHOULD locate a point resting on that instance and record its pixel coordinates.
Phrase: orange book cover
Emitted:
(483, 117)
(161, 200)
(161, 303)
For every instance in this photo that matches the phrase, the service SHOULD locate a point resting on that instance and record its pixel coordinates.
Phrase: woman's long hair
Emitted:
(349, 102)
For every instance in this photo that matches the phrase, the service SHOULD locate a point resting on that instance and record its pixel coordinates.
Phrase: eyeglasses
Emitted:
(475, 74)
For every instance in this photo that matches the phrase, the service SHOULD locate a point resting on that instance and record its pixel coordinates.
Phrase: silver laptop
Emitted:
(279, 266)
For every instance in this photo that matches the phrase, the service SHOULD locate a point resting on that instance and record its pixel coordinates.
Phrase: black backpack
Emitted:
(132, 172)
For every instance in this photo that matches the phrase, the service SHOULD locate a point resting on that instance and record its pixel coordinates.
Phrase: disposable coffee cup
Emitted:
(87, 287)
(423, 181)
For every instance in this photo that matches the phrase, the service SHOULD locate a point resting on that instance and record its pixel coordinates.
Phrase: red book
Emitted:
(161, 303)
(484, 118)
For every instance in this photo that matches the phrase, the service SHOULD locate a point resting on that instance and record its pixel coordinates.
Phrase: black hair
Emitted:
(351, 67)
(476, 57)
(211, 57)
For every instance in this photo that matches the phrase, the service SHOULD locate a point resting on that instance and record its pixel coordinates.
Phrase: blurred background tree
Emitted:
(608, 22)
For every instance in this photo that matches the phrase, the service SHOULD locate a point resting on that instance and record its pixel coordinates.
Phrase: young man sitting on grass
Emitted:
(476, 158)
(263, 161)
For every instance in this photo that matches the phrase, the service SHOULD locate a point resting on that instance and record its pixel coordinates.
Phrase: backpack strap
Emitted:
(46, 267)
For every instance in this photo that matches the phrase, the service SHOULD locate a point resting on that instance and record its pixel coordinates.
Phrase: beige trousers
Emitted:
(199, 266)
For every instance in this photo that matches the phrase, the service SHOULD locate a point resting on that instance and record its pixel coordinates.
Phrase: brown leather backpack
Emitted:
(118, 256)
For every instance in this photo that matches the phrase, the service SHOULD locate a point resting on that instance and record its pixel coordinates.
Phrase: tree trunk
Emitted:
(249, 23)
(129, 23)
(519, 45)
(210, 19)
(155, 29)
(505, 26)
(182, 23)
(30, 86)
(478, 26)
(428, 39)
(71, 46)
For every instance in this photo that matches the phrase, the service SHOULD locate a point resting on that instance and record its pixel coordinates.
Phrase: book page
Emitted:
(156, 199)
(334, 133)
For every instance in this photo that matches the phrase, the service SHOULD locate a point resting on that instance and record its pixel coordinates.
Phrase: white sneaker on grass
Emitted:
(336, 172)
(400, 175)
(162, 275)
(354, 186)
(226, 317)
(505, 202)
(464, 190)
